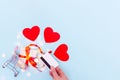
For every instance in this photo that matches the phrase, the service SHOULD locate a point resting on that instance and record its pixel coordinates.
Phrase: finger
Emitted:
(53, 72)
(59, 71)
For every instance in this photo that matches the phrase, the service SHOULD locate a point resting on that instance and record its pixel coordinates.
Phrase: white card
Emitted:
(49, 60)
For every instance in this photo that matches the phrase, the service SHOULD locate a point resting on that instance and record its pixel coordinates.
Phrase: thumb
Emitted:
(53, 73)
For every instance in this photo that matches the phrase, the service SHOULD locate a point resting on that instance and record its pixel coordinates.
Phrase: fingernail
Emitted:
(52, 68)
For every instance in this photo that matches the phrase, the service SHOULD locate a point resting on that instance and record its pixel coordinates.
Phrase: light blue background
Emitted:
(91, 28)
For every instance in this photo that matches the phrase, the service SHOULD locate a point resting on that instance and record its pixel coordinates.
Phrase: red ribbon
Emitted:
(30, 59)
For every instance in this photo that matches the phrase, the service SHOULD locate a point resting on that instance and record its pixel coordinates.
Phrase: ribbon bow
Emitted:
(30, 59)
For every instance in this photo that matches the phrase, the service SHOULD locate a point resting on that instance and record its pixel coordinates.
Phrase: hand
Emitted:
(57, 74)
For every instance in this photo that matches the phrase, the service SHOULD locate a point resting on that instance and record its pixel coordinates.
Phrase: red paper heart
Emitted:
(32, 33)
(61, 52)
(51, 36)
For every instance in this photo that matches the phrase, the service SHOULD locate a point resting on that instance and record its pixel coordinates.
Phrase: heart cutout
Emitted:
(32, 33)
(50, 36)
(61, 52)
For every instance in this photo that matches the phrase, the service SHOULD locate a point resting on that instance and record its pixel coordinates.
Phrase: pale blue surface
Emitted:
(91, 28)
